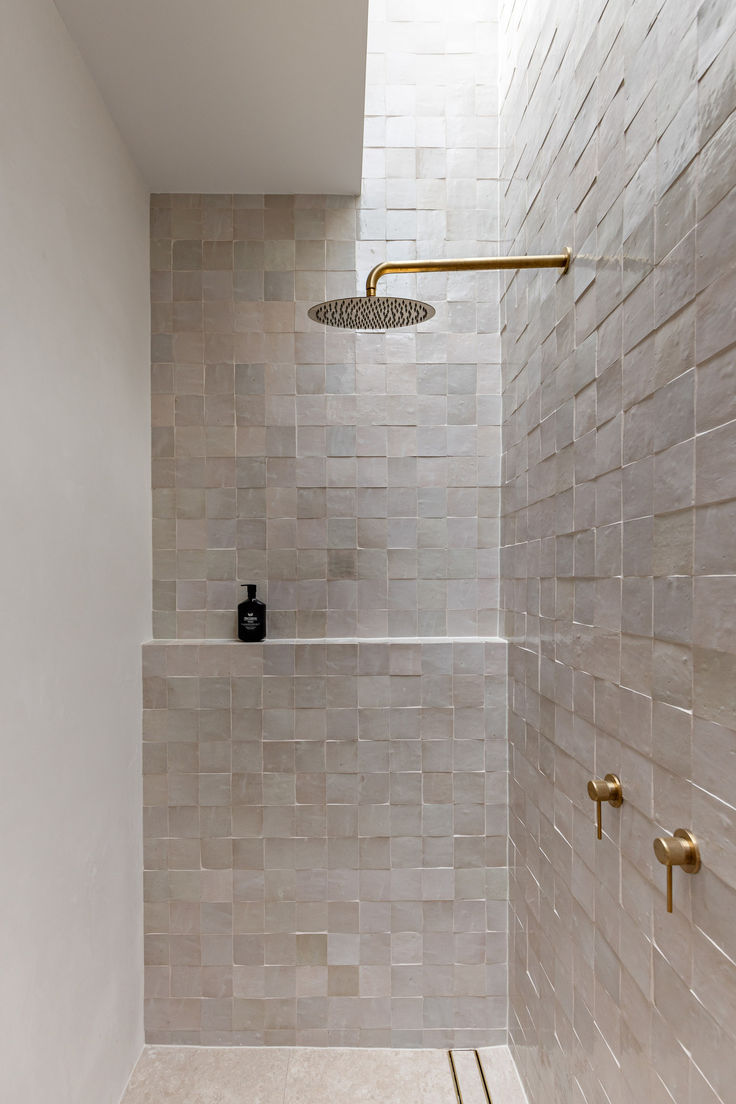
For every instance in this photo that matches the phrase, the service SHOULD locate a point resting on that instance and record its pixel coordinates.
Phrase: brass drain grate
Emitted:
(476, 1090)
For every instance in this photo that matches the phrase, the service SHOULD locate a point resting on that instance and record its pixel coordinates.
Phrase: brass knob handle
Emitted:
(680, 849)
(605, 789)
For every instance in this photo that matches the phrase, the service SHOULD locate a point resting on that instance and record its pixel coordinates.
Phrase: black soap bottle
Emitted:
(251, 616)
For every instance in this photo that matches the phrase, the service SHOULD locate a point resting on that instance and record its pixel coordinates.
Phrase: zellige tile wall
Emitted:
(619, 558)
(325, 817)
(325, 843)
(354, 477)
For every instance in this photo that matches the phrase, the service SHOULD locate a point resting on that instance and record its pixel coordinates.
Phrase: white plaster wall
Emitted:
(74, 565)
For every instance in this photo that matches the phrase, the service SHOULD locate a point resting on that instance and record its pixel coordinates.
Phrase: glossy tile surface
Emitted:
(325, 843)
(618, 126)
(353, 476)
(325, 822)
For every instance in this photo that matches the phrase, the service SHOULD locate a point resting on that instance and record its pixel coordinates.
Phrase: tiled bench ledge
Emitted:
(270, 641)
(401, 656)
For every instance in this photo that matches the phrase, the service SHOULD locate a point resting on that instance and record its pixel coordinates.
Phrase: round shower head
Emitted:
(369, 312)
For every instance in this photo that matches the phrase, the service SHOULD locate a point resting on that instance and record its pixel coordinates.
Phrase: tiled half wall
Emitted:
(325, 842)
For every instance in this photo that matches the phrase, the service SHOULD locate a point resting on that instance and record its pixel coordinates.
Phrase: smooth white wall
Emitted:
(74, 572)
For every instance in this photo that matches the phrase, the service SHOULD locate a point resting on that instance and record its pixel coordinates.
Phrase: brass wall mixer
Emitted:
(680, 849)
(605, 789)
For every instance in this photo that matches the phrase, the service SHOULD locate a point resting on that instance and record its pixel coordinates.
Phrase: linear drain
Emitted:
(468, 1077)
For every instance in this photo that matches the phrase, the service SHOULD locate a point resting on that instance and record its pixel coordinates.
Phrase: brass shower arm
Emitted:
(466, 264)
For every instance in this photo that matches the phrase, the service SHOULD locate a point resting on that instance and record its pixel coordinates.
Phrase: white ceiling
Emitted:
(232, 95)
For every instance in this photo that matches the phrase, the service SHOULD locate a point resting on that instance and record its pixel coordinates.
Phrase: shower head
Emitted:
(368, 312)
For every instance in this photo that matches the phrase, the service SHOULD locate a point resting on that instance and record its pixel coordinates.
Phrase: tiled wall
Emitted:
(325, 838)
(326, 813)
(354, 477)
(619, 554)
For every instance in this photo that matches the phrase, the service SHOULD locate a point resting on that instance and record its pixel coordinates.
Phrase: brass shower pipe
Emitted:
(466, 264)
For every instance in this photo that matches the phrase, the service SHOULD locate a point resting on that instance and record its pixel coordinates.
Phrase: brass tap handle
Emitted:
(605, 789)
(680, 849)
